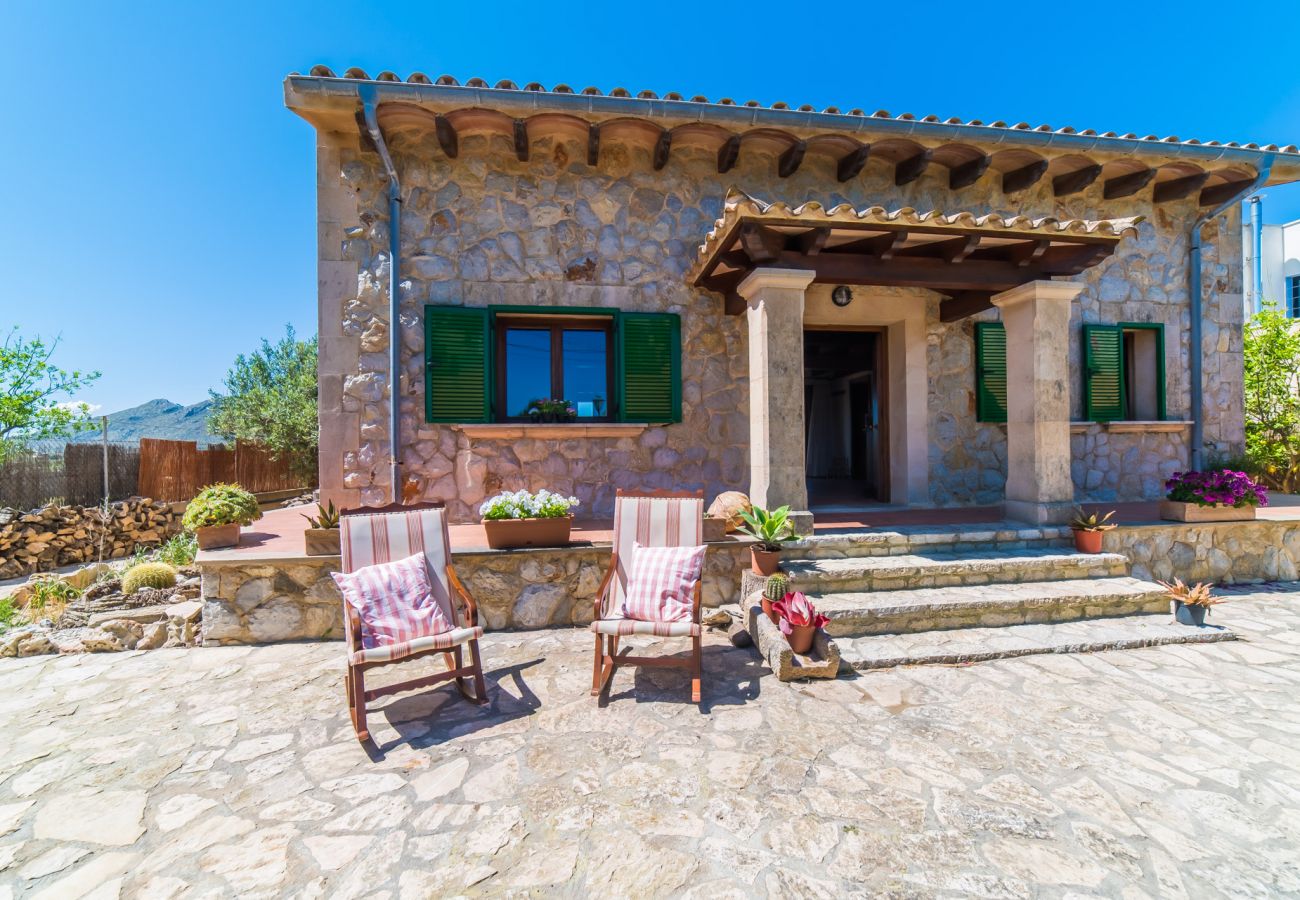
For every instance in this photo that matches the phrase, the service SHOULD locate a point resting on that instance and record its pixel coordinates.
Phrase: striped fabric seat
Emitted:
(394, 652)
(650, 522)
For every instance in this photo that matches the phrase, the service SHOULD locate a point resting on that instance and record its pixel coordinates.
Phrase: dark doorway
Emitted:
(845, 432)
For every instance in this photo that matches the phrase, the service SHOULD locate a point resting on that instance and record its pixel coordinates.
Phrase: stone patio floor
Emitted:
(1167, 772)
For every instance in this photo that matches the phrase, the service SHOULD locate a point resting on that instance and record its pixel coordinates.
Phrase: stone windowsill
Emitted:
(566, 431)
(1133, 427)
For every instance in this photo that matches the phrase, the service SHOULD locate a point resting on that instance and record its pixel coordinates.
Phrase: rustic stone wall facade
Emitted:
(486, 228)
(1218, 552)
(296, 599)
(44, 539)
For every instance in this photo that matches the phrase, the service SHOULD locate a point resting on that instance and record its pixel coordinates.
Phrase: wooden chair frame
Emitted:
(354, 680)
(608, 659)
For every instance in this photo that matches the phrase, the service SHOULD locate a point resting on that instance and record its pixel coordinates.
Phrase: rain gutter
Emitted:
(1195, 291)
(369, 101)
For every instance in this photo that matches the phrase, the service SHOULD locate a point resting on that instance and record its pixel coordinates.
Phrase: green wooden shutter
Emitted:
(457, 380)
(650, 377)
(990, 372)
(1103, 372)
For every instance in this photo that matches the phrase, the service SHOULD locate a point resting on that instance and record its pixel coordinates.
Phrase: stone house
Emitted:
(824, 309)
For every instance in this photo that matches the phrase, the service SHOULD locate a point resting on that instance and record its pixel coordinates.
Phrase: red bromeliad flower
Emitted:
(794, 610)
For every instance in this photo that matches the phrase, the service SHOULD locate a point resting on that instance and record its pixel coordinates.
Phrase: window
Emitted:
(1293, 296)
(489, 365)
(1124, 372)
(541, 357)
(990, 372)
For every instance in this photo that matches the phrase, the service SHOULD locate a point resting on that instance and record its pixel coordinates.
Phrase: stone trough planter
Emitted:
(822, 660)
(1175, 511)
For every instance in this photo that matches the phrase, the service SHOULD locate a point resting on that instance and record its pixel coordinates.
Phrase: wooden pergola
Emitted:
(964, 257)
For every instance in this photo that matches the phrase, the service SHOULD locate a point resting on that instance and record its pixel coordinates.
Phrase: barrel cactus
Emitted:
(775, 587)
(148, 575)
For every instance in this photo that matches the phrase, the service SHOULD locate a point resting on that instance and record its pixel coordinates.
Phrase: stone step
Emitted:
(999, 536)
(964, 645)
(910, 571)
(986, 605)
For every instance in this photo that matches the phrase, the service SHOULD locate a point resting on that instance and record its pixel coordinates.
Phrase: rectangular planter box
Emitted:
(508, 534)
(1191, 512)
(715, 529)
(215, 537)
(322, 541)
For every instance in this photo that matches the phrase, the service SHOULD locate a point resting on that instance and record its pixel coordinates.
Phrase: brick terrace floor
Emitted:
(1165, 772)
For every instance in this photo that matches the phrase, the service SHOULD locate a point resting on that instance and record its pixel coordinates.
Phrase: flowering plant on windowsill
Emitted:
(525, 505)
(1223, 487)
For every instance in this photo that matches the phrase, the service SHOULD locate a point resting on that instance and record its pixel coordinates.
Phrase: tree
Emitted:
(1272, 369)
(270, 399)
(30, 388)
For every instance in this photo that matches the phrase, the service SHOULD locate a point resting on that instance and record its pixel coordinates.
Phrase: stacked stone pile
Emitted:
(45, 539)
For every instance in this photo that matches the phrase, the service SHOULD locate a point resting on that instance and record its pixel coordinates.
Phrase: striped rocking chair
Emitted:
(371, 537)
(651, 519)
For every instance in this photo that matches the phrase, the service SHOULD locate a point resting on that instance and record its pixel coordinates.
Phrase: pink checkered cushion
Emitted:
(662, 585)
(394, 601)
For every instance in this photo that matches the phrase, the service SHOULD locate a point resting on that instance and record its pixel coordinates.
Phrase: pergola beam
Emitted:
(964, 303)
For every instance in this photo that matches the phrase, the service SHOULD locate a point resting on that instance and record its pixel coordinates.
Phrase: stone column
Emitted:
(777, 475)
(1037, 321)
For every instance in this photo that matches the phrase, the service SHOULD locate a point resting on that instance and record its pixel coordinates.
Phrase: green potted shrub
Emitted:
(525, 519)
(322, 535)
(1088, 529)
(770, 528)
(216, 514)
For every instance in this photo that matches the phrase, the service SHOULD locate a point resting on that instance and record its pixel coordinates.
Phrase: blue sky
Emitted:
(158, 200)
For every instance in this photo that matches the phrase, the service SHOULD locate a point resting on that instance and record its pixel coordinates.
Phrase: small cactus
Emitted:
(776, 587)
(148, 575)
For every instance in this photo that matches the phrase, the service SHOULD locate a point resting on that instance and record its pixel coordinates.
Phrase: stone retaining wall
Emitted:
(44, 539)
(268, 600)
(1220, 552)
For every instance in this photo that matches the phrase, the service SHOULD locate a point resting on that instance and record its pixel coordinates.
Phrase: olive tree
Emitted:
(32, 389)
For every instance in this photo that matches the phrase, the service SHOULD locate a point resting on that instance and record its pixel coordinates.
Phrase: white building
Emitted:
(1277, 277)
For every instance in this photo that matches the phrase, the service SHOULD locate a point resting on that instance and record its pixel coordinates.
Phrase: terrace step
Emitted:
(974, 606)
(963, 645)
(999, 536)
(938, 570)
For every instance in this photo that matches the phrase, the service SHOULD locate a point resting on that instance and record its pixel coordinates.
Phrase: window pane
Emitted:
(585, 371)
(528, 368)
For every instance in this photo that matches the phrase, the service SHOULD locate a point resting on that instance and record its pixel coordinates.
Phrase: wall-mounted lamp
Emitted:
(842, 296)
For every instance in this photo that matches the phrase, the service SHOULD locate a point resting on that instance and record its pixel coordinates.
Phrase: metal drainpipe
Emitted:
(1257, 236)
(368, 102)
(1194, 292)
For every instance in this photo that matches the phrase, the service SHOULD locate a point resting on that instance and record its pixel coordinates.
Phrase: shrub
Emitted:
(148, 575)
(221, 504)
(48, 596)
(1208, 488)
(1271, 355)
(524, 505)
(8, 614)
(179, 550)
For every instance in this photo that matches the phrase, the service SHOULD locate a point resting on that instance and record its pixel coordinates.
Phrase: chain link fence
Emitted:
(35, 474)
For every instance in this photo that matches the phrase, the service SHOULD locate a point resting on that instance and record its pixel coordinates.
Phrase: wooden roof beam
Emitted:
(446, 133)
(1073, 182)
(1023, 178)
(850, 164)
(1178, 188)
(1127, 185)
(521, 140)
(728, 153)
(791, 159)
(1028, 252)
(964, 303)
(761, 244)
(593, 144)
(662, 147)
(811, 242)
(968, 173)
(912, 168)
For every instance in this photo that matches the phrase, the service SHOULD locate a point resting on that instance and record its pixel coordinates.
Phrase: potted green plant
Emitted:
(798, 620)
(321, 538)
(1191, 604)
(770, 528)
(1222, 495)
(1088, 529)
(524, 519)
(217, 512)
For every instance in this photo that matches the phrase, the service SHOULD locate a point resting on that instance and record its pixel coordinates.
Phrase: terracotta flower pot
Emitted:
(214, 537)
(764, 562)
(1087, 541)
(767, 608)
(506, 534)
(800, 638)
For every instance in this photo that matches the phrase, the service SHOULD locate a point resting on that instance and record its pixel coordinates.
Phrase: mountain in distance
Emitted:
(156, 419)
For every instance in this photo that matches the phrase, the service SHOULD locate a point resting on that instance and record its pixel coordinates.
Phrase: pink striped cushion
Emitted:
(394, 601)
(662, 586)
